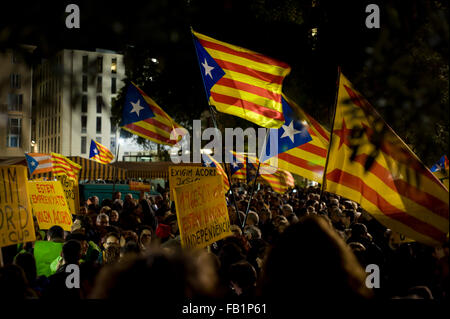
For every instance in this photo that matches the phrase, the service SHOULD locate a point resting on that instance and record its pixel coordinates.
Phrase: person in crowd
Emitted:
(45, 252)
(242, 278)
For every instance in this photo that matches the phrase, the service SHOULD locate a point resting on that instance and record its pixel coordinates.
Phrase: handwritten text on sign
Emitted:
(182, 175)
(202, 212)
(16, 220)
(49, 204)
(70, 188)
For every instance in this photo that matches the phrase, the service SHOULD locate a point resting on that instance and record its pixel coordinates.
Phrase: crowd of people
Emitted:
(294, 246)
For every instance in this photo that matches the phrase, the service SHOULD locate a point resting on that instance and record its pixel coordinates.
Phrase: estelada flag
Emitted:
(307, 159)
(100, 153)
(39, 163)
(238, 166)
(209, 161)
(61, 165)
(389, 182)
(143, 117)
(241, 82)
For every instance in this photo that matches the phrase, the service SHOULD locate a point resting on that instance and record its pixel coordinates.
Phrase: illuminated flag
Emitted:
(241, 82)
(100, 153)
(143, 117)
(390, 183)
(293, 133)
(39, 163)
(280, 181)
(64, 166)
(209, 161)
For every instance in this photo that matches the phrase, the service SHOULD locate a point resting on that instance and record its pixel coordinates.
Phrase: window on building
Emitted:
(99, 64)
(83, 145)
(15, 102)
(14, 132)
(99, 104)
(15, 81)
(84, 104)
(84, 84)
(113, 85)
(58, 146)
(98, 127)
(83, 123)
(99, 139)
(85, 63)
(114, 65)
(112, 145)
(99, 84)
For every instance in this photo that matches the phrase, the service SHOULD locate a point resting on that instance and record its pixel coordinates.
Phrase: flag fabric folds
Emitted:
(39, 163)
(238, 166)
(441, 171)
(293, 133)
(209, 161)
(100, 153)
(308, 159)
(397, 189)
(143, 117)
(241, 82)
(280, 181)
(64, 166)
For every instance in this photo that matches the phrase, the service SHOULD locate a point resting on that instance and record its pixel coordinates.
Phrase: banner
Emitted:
(182, 175)
(49, 204)
(16, 220)
(202, 212)
(71, 190)
(139, 186)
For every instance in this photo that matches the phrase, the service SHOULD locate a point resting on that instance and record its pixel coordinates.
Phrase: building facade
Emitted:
(73, 95)
(16, 89)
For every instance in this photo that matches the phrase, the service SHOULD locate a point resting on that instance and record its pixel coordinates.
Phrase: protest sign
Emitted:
(139, 186)
(202, 212)
(71, 191)
(16, 219)
(182, 175)
(49, 204)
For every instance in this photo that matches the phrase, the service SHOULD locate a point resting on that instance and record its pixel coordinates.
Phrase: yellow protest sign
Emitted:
(71, 191)
(182, 175)
(202, 212)
(49, 204)
(16, 220)
(139, 186)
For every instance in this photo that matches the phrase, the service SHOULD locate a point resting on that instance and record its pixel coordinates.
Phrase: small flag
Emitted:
(39, 163)
(293, 133)
(209, 161)
(392, 184)
(241, 82)
(64, 166)
(100, 153)
(238, 165)
(280, 181)
(143, 117)
(442, 165)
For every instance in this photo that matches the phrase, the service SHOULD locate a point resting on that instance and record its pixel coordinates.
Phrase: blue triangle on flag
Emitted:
(32, 163)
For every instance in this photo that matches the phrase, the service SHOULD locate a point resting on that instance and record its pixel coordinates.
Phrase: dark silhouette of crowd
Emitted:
(298, 247)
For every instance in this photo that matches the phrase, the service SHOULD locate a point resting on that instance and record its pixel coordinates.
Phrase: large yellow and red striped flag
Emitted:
(61, 165)
(143, 117)
(100, 153)
(306, 160)
(241, 82)
(397, 189)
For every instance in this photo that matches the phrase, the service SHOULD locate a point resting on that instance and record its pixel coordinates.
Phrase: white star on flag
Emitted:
(95, 151)
(33, 163)
(290, 131)
(136, 107)
(207, 68)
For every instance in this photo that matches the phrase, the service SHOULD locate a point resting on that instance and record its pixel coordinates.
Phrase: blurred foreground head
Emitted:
(320, 266)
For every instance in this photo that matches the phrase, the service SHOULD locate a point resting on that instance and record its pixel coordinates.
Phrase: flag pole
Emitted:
(324, 177)
(213, 116)
(116, 168)
(263, 149)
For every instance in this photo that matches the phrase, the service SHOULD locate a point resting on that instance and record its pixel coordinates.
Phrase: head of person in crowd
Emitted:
(71, 252)
(292, 218)
(131, 247)
(27, 262)
(117, 195)
(236, 230)
(111, 239)
(56, 234)
(232, 215)
(360, 234)
(360, 252)
(95, 200)
(83, 210)
(82, 239)
(287, 210)
(242, 276)
(117, 205)
(252, 219)
(347, 217)
(111, 255)
(280, 223)
(145, 237)
(113, 217)
(162, 213)
(310, 210)
(172, 221)
(205, 269)
(105, 210)
(102, 221)
(326, 268)
(265, 216)
(128, 235)
(252, 232)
